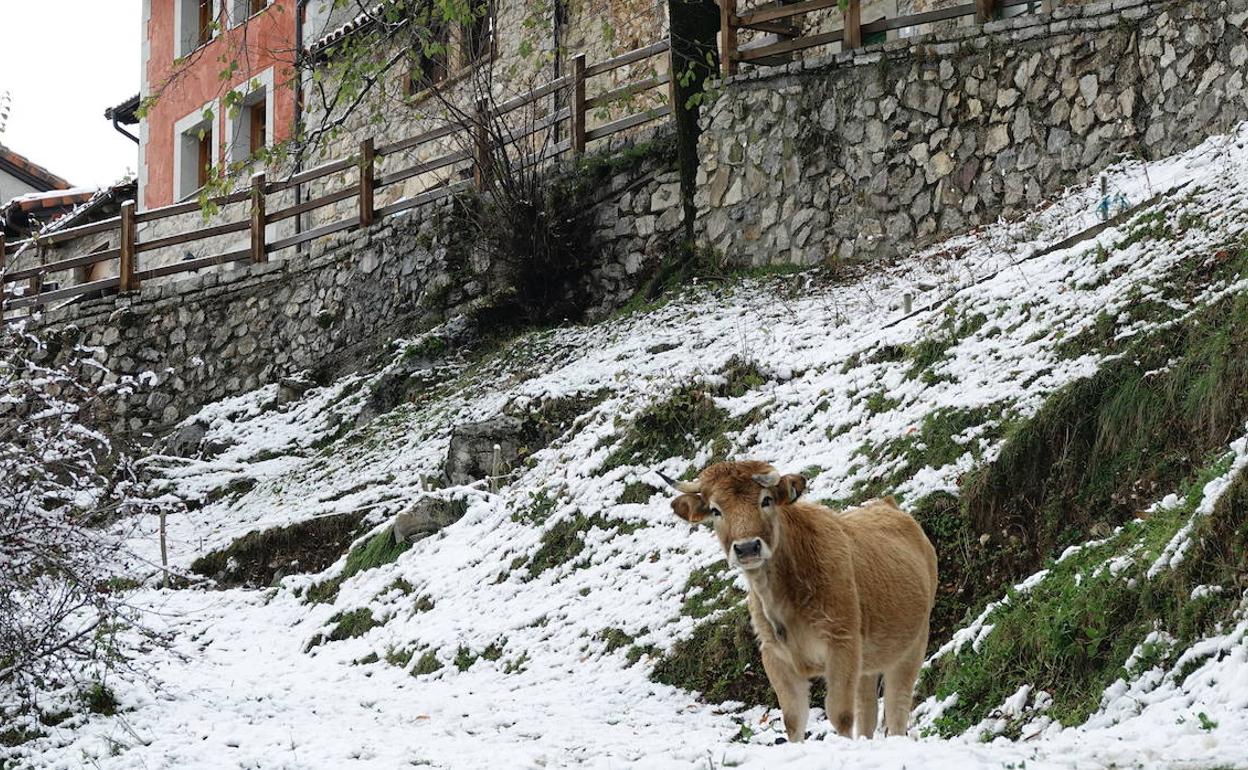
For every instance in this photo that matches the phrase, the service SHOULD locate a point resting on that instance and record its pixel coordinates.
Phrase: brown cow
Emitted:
(845, 596)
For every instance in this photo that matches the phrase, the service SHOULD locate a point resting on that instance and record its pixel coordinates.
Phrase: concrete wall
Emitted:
(875, 153)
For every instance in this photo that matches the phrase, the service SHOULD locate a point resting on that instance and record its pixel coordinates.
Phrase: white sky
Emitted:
(65, 62)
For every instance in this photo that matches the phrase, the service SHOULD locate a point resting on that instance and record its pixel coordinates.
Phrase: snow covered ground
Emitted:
(240, 688)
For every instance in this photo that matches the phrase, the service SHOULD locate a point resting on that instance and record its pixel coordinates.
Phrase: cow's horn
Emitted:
(767, 480)
(688, 487)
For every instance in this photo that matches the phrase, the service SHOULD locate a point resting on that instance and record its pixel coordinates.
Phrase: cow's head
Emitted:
(741, 501)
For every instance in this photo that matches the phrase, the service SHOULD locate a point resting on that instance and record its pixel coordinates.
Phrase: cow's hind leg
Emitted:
(867, 716)
(899, 689)
(793, 692)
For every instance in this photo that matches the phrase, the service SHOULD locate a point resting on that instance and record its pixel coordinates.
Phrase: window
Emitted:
(196, 144)
(249, 126)
(479, 34)
(203, 151)
(429, 60)
(205, 21)
(242, 10)
(195, 23)
(258, 134)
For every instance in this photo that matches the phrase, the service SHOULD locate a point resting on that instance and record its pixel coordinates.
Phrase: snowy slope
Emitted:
(238, 686)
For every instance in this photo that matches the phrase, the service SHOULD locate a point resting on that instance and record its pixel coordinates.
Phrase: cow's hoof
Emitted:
(781, 741)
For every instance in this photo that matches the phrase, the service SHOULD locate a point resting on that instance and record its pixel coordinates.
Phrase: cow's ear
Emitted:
(691, 508)
(791, 487)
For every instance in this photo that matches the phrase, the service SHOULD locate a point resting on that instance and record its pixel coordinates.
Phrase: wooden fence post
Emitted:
(578, 104)
(985, 11)
(164, 548)
(481, 145)
(367, 169)
(728, 37)
(853, 26)
(127, 281)
(257, 220)
(35, 284)
(671, 76)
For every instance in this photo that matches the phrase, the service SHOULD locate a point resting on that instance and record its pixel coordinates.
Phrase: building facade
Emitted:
(218, 85)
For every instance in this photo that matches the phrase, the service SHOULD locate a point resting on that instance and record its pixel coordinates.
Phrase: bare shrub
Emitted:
(63, 489)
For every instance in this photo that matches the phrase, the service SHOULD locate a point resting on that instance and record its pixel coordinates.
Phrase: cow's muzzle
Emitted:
(749, 553)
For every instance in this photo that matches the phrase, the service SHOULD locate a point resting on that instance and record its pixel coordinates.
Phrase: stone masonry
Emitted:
(223, 333)
(871, 154)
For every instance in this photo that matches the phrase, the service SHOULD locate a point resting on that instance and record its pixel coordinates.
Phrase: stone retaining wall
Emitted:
(870, 154)
(218, 334)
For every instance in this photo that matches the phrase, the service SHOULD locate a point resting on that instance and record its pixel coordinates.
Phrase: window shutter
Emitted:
(205, 157)
(257, 128)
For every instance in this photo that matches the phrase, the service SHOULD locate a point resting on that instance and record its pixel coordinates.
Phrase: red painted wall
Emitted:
(266, 40)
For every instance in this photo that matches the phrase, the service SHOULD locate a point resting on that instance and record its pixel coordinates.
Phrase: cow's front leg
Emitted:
(793, 692)
(843, 674)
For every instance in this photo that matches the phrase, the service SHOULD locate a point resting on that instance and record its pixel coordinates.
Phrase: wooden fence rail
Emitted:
(128, 255)
(784, 20)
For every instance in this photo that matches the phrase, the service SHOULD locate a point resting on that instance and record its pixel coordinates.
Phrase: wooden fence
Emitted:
(128, 256)
(784, 21)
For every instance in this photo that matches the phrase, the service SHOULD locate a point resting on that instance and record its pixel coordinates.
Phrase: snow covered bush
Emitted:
(63, 488)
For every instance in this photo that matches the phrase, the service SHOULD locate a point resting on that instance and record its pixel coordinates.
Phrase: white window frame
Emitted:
(238, 11)
(233, 126)
(183, 43)
(193, 121)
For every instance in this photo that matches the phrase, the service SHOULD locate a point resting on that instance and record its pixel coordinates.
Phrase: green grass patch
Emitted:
(879, 403)
(399, 657)
(636, 492)
(721, 659)
(928, 352)
(934, 444)
(1072, 635)
(100, 699)
(259, 559)
(377, 551)
(675, 427)
(741, 375)
(1097, 452)
(12, 737)
(614, 639)
(1108, 445)
(541, 504)
(352, 624)
(427, 664)
(564, 541)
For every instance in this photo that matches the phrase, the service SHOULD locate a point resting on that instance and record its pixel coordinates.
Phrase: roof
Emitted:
(69, 208)
(125, 113)
(29, 172)
(363, 21)
(34, 203)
